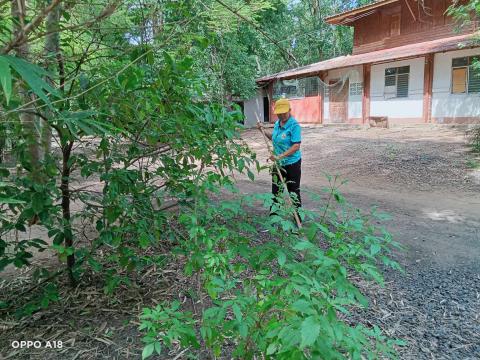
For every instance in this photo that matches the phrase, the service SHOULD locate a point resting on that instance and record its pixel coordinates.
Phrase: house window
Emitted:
(288, 89)
(312, 86)
(395, 25)
(356, 89)
(296, 88)
(396, 81)
(465, 75)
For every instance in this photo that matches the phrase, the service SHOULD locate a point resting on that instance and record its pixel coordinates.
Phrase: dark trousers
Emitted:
(291, 174)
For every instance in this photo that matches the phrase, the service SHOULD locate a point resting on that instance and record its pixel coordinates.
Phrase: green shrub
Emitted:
(289, 296)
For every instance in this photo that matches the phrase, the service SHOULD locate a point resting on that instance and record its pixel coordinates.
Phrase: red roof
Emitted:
(401, 52)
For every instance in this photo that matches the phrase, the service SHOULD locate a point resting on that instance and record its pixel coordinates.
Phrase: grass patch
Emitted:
(473, 164)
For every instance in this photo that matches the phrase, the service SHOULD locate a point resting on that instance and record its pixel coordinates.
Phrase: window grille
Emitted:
(356, 89)
(297, 88)
(396, 81)
(312, 86)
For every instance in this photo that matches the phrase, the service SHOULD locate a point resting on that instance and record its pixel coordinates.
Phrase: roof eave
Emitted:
(413, 50)
(343, 18)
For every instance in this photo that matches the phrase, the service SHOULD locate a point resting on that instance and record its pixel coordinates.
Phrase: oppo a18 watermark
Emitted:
(36, 344)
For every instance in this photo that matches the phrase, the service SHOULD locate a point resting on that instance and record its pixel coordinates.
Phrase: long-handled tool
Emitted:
(279, 172)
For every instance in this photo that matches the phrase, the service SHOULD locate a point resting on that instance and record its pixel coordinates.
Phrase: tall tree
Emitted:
(53, 64)
(31, 130)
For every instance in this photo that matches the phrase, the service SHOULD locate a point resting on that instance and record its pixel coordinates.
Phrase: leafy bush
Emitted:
(144, 157)
(168, 323)
(286, 297)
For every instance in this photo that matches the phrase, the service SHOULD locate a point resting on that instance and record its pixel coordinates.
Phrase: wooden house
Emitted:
(409, 63)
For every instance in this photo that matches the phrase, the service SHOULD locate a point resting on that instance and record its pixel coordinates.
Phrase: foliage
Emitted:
(289, 297)
(171, 324)
(464, 12)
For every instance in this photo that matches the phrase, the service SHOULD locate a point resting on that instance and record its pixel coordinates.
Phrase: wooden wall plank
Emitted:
(373, 32)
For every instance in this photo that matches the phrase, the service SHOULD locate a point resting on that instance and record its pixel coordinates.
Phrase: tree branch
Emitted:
(289, 58)
(107, 11)
(32, 25)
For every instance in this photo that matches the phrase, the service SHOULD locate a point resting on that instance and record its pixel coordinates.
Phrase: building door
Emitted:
(266, 109)
(338, 101)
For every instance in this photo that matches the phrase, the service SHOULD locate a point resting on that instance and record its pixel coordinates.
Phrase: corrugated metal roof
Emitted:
(337, 18)
(401, 52)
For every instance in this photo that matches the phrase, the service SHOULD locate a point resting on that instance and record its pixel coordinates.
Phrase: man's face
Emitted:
(284, 117)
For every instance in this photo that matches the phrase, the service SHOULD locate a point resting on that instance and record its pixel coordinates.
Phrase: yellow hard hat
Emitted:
(282, 106)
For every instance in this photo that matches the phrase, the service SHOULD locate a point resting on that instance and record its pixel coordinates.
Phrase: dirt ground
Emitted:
(421, 176)
(418, 175)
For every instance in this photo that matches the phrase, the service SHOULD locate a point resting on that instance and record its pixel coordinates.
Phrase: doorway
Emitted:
(266, 109)
(338, 101)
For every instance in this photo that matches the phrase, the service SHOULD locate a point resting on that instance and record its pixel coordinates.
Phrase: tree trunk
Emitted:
(67, 225)
(52, 57)
(27, 118)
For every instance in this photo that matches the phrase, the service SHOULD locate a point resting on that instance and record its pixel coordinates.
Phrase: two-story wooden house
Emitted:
(408, 64)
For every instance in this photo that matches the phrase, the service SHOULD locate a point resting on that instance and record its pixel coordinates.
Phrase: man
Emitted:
(286, 139)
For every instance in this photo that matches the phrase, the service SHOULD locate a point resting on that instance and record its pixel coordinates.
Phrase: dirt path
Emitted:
(434, 202)
(421, 178)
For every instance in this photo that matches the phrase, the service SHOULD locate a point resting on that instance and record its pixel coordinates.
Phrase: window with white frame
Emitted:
(356, 89)
(396, 82)
(466, 75)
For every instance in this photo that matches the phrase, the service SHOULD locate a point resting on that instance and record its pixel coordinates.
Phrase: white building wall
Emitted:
(444, 103)
(410, 108)
(355, 75)
(253, 110)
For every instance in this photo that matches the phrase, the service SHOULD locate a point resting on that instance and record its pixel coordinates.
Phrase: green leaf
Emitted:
(243, 330)
(281, 257)
(310, 331)
(11, 201)
(311, 232)
(241, 165)
(372, 271)
(37, 203)
(144, 240)
(250, 175)
(32, 75)
(158, 347)
(302, 306)
(96, 266)
(374, 249)
(148, 351)
(303, 245)
(272, 348)
(237, 312)
(6, 78)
